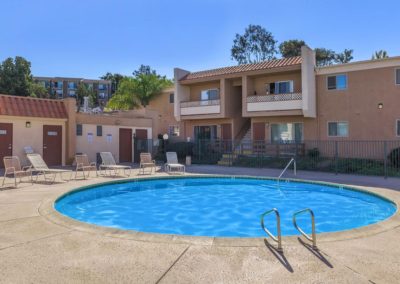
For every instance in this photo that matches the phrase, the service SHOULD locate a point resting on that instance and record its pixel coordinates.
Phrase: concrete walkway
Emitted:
(37, 245)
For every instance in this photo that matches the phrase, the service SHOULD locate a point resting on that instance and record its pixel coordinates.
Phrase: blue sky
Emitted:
(87, 38)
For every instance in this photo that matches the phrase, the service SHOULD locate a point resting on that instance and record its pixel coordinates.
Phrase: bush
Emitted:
(394, 157)
(182, 149)
(313, 153)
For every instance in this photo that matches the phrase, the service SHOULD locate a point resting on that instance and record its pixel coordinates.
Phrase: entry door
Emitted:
(226, 135)
(141, 143)
(52, 145)
(6, 135)
(259, 131)
(125, 145)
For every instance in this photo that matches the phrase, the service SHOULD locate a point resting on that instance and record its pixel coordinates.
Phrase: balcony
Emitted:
(290, 101)
(201, 107)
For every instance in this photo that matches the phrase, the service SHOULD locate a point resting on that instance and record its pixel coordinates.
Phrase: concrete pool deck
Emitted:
(38, 244)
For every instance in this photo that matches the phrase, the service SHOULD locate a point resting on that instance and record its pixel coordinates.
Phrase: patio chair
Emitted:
(12, 167)
(147, 162)
(108, 163)
(83, 164)
(172, 163)
(40, 167)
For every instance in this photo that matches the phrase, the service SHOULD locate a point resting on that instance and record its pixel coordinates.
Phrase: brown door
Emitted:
(141, 134)
(226, 131)
(125, 145)
(6, 135)
(259, 131)
(52, 145)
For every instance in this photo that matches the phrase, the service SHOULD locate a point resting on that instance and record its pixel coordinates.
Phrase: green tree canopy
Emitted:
(138, 90)
(38, 91)
(15, 76)
(115, 79)
(379, 54)
(290, 48)
(255, 45)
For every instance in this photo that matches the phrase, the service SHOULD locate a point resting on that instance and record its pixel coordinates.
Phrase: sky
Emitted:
(87, 38)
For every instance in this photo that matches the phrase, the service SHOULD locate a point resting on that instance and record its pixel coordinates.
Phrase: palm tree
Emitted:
(380, 54)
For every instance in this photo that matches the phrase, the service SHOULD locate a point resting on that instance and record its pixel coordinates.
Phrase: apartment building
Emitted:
(63, 87)
(291, 100)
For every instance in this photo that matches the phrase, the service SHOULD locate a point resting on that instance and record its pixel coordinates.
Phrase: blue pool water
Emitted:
(221, 207)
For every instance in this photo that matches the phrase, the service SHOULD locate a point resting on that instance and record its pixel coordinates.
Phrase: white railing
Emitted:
(275, 98)
(200, 103)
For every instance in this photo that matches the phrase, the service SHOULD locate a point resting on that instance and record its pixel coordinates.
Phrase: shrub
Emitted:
(182, 149)
(313, 153)
(394, 157)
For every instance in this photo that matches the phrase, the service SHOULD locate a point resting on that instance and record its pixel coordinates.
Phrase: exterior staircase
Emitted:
(244, 147)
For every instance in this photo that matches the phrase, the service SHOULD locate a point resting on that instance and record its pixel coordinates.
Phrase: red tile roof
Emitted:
(32, 107)
(243, 68)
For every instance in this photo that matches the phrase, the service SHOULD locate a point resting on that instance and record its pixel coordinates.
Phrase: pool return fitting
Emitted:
(278, 238)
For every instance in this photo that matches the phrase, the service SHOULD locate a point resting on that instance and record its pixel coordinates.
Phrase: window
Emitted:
(208, 132)
(281, 87)
(71, 85)
(338, 129)
(71, 93)
(99, 130)
(398, 127)
(102, 95)
(286, 132)
(397, 76)
(173, 130)
(102, 87)
(79, 130)
(58, 84)
(171, 98)
(211, 94)
(337, 82)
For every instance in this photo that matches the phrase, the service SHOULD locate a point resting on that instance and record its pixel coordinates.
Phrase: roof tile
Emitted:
(243, 68)
(32, 107)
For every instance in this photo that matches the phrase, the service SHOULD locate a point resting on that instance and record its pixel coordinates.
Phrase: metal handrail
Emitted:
(292, 160)
(313, 237)
(278, 227)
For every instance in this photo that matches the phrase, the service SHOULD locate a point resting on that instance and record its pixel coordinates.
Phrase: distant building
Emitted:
(63, 87)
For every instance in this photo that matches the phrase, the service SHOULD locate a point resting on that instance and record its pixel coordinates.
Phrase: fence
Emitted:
(381, 158)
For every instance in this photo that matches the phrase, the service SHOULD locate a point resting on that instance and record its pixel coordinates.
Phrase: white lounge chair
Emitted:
(12, 167)
(108, 163)
(84, 165)
(172, 163)
(40, 167)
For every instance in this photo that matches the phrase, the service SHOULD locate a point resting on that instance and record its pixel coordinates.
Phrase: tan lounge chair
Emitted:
(39, 166)
(172, 163)
(12, 167)
(108, 164)
(147, 162)
(84, 165)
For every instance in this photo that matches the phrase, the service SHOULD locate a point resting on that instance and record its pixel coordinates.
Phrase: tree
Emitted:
(324, 56)
(290, 48)
(38, 91)
(345, 57)
(138, 90)
(380, 54)
(15, 76)
(115, 80)
(255, 45)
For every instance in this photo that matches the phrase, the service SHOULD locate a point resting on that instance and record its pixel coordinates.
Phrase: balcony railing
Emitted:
(200, 103)
(274, 98)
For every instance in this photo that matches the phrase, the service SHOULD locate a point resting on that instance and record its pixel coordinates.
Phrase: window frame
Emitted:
(336, 75)
(294, 122)
(172, 95)
(81, 128)
(395, 76)
(173, 132)
(397, 128)
(207, 90)
(268, 87)
(337, 122)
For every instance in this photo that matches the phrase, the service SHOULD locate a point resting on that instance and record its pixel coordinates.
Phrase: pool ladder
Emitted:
(292, 161)
(278, 238)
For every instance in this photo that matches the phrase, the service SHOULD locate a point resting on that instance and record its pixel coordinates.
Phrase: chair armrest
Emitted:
(94, 164)
(27, 168)
(79, 165)
(7, 171)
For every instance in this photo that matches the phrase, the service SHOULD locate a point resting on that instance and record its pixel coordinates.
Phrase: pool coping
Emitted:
(47, 210)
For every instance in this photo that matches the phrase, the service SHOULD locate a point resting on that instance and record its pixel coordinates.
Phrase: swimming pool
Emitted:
(221, 206)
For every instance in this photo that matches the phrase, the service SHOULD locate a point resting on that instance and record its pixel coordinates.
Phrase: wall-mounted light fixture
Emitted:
(28, 124)
(380, 106)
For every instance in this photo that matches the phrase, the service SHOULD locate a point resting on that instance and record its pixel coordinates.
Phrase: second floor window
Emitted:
(337, 82)
(71, 85)
(338, 129)
(281, 87)
(211, 94)
(397, 76)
